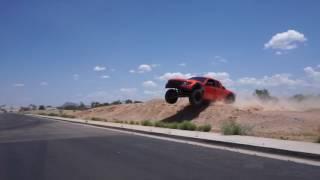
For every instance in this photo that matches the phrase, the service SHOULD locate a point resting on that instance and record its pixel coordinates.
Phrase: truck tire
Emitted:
(171, 96)
(230, 99)
(196, 97)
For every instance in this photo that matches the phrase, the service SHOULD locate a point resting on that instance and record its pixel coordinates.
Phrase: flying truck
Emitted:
(199, 90)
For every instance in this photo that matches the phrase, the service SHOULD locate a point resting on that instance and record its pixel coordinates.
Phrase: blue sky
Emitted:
(57, 51)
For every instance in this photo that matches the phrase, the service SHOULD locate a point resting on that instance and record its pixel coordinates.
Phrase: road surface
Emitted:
(34, 148)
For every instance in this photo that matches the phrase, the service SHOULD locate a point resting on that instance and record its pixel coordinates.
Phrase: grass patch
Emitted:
(118, 121)
(67, 116)
(172, 125)
(204, 128)
(187, 125)
(97, 119)
(146, 123)
(231, 127)
(53, 114)
(160, 124)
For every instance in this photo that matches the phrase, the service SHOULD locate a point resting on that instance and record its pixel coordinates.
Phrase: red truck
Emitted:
(199, 90)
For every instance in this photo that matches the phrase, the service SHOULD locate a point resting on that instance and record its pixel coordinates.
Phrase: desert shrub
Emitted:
(67, 116)
(132, 122)
(73, 106)
(43, 114)
(318, 140)
(186, 125)
(204, 128)
(97, 119)
(53, 114)
(172, 125)
(137, 122)
(41, 107)
(231, 127)
(128, 101)
(116, 102)
(137, 102)
(160, 124)
(146, 123)
(95, 104)
(264, 95)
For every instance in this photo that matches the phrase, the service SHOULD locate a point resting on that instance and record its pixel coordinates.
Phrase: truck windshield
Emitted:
(202, 79)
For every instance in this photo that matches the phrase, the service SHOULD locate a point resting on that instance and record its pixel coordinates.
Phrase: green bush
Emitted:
(231, 127)
(186, 125)
(172, 125)
(146, 123)
(161, 124)
(204, 128)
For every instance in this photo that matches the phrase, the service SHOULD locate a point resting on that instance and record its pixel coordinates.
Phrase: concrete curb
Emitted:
(313, 152)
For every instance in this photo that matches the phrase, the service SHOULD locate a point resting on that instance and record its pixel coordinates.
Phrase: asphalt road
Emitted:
(34, 148)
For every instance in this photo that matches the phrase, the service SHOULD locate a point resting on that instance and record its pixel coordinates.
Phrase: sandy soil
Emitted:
(276, 120)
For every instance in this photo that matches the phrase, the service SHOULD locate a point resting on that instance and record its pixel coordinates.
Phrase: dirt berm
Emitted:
(258, 120)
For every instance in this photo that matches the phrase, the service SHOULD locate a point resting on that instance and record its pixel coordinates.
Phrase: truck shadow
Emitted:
(188, 113)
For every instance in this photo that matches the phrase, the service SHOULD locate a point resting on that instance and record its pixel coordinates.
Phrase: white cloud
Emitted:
(279, 53)
(182, 64)
(224, 77)
(128, 90)
(144, 68)
(18, 85)
(220, 59)
(105, 77)
(312, 73)
(76, 77)
(99, 68)
(286, 40)
(274, 80)
(154, 93)
(169, 75)
(149, 84)
(44, 83)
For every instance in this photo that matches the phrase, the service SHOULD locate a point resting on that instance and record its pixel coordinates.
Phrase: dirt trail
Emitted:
(261, 119)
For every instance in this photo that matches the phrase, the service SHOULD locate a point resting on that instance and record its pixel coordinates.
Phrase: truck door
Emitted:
(209, 90)
(218, 90)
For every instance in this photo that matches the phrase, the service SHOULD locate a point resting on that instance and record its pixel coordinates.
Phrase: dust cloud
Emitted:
(279, 104)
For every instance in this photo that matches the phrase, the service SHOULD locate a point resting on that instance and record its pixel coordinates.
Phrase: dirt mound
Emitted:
(261, 119)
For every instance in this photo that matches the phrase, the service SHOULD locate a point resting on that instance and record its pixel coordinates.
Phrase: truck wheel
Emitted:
(171, 96)
(230, 99)
(195, 98)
